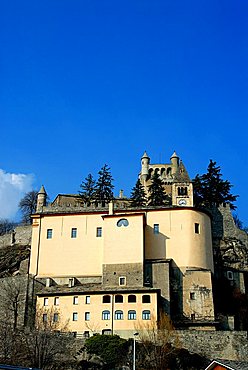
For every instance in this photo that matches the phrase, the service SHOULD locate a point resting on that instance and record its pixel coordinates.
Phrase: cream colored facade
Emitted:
(90, 312)
(164, 253)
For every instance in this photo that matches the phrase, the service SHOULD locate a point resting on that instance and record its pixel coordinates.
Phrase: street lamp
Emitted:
(135, 334)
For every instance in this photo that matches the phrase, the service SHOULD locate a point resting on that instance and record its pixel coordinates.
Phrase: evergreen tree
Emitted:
(138, 195)
(157, 195)
(104, 186)
(87, 192)
(211, 190)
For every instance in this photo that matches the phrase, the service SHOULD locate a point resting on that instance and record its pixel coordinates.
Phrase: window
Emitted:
(122, 222)
(106, 315)
(75, 316)
(118, 315)
(156, 229)
(122, 280)
(87, 316)
(86, 334)
(75, 300)
(87, 299)
(44, 317)
(192, 295)
(197, 228)
(131, 315)
(71, 282)
(192, 316)
(146, 315)
(74, 232)
(131, 298)
(106, 332)
(45, 301)
(229, 275)
(99, 232)
(146, 298)
(118, 298)
(49, 233)
(56, 301)
(106, 299)
(55, 317)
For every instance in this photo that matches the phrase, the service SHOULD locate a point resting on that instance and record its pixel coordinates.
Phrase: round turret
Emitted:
(174, 161)
(145, 161)
(41, 198)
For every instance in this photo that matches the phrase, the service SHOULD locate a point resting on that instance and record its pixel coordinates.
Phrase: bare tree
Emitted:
(12, 300)
(48, 342)
(158, 342)
(27, 206)
(6, 226)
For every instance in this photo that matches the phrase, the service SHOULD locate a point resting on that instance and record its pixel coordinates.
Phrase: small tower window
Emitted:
(192, 295)
(49, 233)
(74, 232)
(197, 228)
(156, 229)
(98, 232)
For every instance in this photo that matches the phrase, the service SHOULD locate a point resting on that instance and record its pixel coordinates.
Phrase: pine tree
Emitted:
(138, 195)
(104, 186)
(157, 195)
(211, 190)
(87, 192)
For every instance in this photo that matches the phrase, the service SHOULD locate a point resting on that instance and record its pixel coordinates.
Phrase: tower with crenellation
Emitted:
(174, 176)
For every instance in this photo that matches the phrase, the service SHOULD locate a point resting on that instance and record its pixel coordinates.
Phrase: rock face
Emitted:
(229, 242)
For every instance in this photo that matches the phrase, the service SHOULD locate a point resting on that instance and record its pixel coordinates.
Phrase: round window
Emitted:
(123, 222)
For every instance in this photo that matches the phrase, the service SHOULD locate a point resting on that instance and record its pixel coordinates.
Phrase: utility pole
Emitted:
(134, 354)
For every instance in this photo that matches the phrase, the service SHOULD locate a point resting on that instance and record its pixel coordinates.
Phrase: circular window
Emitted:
(123, 222)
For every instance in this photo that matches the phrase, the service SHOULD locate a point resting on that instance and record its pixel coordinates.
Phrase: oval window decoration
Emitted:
(122, 222)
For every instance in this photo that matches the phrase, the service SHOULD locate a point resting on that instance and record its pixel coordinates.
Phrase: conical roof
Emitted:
(174, 155)
(145, 155)
(42, 190)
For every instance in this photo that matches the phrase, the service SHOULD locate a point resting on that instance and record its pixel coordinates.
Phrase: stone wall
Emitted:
(20, 235)
(223, 345)
(132, 272)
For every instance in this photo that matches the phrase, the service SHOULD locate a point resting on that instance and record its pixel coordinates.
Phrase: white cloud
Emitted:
(12, 188)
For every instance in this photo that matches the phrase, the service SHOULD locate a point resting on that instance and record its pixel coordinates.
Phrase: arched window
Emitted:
(146, 315)
(122, 222)
(118, 315)
(106, 299)
(118, 298)
(146, 298)
(131, 298)
(106, 315)
(131, 315)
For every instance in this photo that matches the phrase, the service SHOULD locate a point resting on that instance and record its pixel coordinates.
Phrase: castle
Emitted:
(111, 269)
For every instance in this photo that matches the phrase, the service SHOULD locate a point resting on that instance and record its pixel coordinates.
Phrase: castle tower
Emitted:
(182, 188)
(145, 161)
(175, 162)
(41, 198)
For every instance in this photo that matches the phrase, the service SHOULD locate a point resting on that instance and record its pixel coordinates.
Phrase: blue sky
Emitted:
(89, 82)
